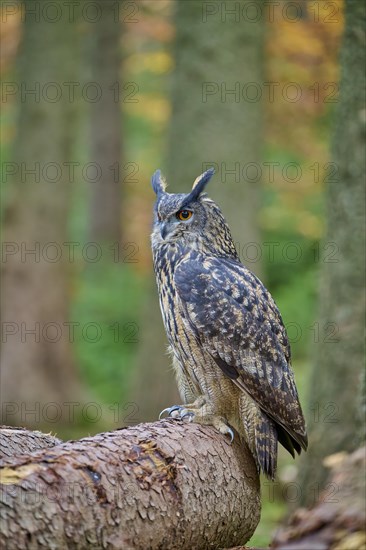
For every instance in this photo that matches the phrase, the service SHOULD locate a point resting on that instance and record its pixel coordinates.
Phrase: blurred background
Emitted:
(95, 97)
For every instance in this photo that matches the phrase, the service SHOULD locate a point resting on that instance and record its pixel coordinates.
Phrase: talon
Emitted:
(231, 434)
(175, 412)
(163, 412)
(169, 410)
(188, 416)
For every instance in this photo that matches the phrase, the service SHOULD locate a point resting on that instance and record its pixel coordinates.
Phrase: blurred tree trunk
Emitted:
(213, 121)
(336, 377)
(209, 126)
(105, 130)
(37, 363)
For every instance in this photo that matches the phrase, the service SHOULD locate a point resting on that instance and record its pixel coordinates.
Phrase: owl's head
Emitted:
(190, 218)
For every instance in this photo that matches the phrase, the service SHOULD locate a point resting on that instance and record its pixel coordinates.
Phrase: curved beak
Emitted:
(164, 230)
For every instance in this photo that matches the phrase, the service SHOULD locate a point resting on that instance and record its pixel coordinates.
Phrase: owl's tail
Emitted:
(266, 439)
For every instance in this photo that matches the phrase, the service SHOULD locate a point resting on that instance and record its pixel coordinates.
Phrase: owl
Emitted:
(229, 347)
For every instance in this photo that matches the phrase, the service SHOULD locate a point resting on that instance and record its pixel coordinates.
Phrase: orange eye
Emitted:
(184, 215)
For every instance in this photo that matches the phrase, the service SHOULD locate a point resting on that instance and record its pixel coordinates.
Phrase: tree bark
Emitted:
(334, 414)
(18, 441)
(105, 127)
(37, 361)
(166, 485)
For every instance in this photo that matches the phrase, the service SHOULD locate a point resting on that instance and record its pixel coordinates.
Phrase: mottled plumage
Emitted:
(230, 349)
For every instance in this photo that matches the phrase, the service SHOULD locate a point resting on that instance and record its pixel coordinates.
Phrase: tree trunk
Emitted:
(213, 123)
(336, 378)
(105, 127)
(165, 485)
(219, 129)
(37, 363)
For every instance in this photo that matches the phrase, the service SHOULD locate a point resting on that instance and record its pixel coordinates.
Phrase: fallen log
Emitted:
(166, 485)
(18, 441)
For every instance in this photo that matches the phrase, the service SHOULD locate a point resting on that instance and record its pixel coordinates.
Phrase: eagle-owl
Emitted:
(230, 350)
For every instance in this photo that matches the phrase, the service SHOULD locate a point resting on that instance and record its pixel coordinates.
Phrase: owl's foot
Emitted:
(178, 411)
(197, 412)
(183, 411)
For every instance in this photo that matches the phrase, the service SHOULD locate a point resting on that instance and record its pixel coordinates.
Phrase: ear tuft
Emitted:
(158, 183)
(200, 183)
(203, 178)
(198, 186)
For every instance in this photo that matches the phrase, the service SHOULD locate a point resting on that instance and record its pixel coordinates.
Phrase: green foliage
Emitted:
(296, 301)
(106, 305)
(273, 511)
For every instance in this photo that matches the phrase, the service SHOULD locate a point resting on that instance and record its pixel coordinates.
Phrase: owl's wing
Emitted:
(237, 322)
